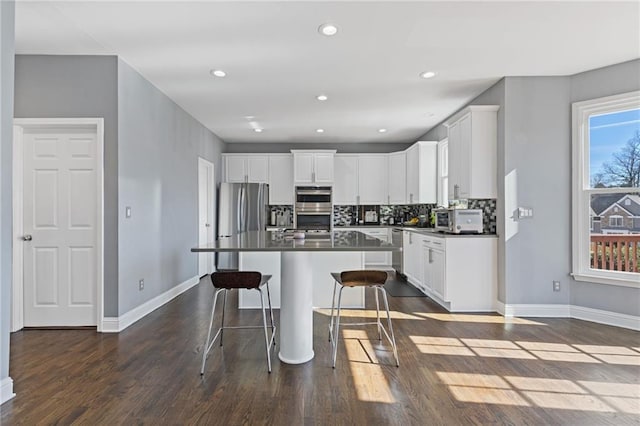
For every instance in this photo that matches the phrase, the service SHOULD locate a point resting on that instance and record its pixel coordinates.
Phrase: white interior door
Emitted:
(206, 210)
(60, 226)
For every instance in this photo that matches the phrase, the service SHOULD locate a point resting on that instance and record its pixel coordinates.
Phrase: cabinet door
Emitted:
(464, 160)
(412, 174)
(345, 188)
(235, 168)
(323, 168)
(258, 169)
(454, 156)
(437, 275)
(372, 179)
(397, 178)
(281, 179)
(303, 168)
(377, 258)
(427, 268)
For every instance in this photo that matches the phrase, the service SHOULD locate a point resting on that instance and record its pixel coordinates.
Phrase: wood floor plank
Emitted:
(455, 369)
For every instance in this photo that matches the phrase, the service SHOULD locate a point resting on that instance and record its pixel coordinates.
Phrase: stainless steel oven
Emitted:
(313, 208)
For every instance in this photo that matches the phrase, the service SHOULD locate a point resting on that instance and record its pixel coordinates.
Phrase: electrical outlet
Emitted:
(141, 285)
(556, 286)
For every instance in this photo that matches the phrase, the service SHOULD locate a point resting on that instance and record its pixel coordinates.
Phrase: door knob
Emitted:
(207, 225)
(27, 237)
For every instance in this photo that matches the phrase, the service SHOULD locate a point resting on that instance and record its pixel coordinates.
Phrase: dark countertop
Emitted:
(271, 241)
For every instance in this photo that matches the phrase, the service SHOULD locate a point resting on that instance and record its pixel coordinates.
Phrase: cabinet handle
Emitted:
(246, 178)
(430, 255)
(456, 190)
(313, 176)
(388, 200)
(410, 237)
(357, 199)
(410, 198)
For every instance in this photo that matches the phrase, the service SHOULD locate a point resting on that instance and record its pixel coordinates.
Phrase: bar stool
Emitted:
(362, 278)
(225, 281)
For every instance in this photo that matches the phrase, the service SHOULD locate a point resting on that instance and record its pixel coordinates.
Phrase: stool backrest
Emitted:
(363, 277)
(236, 279)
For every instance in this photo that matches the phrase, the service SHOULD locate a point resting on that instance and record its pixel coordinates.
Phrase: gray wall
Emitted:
(342, 148)
(598, 83)
(79, 86)
(534, 139)
(7, 13)
(158, 149)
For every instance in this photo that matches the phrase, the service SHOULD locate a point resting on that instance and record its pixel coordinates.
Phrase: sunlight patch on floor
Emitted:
(475, 318)
(368, 378)
(565, 356)
(542, 392)
(368, 314)
(606, 350)
(543, 346)
(619, 359)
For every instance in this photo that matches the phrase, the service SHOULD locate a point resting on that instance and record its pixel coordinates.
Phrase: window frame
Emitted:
(581, 190)
(616, 217)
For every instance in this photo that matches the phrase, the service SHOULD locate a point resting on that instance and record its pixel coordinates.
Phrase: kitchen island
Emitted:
(297, 259)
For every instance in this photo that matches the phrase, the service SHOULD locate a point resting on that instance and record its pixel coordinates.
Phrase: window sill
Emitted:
(626, 280)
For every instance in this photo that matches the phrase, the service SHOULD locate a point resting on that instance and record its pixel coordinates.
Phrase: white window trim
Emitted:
(581, 111)
(616, 217)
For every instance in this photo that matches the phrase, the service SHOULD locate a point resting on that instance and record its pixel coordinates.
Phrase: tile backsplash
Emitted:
(347, 215)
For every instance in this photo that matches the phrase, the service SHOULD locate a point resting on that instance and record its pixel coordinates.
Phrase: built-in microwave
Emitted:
(459, 221)
(313, 208)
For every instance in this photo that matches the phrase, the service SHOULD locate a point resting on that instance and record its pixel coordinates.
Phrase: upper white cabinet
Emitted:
(246, 168)
(473, 134)
(281, 179)
(360, 179)
(313, 167)
(373, 179)
(345, 190)
(422, 177)
(397, 174)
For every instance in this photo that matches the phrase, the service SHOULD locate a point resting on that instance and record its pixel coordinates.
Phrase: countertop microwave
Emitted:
(459, 221)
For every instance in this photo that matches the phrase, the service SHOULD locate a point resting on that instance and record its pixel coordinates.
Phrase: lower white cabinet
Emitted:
(460, 273)
(412, 252)
(375, 259)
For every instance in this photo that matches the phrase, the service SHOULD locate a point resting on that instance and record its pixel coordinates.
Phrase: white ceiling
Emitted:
(276, 62)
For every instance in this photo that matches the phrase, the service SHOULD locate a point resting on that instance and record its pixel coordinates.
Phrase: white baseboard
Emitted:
(6, 390)
(570, 311)
(606, 317)
(540, 311)
(117, 324)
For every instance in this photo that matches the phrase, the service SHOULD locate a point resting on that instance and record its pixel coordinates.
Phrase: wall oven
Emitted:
(313, 208)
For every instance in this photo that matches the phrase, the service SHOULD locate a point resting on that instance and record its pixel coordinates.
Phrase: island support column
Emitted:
(296, 307)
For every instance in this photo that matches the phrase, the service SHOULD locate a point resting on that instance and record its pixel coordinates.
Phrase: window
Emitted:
(443, 173)
(606, 174)
(616, 221)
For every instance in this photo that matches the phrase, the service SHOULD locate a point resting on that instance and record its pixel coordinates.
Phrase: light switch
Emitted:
(525, 212)
(127, 212)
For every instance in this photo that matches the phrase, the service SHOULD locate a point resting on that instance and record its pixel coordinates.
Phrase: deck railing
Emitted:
(615, 252)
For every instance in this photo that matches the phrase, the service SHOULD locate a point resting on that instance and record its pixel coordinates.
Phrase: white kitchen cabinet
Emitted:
(412, 252)
(397, 175)
(246, 168)
(377, 258)
(345, 189)
(422, 177)
(434, 266)
(313, 167)
(472, 135)
(373, 179)
(280, 179)
(458, 272)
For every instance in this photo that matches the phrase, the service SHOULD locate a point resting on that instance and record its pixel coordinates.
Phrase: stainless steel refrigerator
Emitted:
(242, 207)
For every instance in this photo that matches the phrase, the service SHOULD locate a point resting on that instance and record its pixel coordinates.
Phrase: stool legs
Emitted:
(207, 346)
(334, 331)
(393, 337)
(269, 341)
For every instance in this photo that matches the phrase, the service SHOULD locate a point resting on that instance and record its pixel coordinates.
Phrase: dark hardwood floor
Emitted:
(454, 369)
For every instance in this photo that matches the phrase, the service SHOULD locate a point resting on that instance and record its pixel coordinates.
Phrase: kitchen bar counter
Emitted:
(297, 259)
(275, 241)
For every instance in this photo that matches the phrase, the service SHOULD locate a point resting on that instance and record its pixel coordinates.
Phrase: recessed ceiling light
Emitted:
(257, 130)
(320, 130)
(428, 74)
(322, 97)
(382, 130)
(328, 29)
(218, 73)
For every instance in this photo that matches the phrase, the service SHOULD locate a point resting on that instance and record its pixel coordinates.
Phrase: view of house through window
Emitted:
(614, 190)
